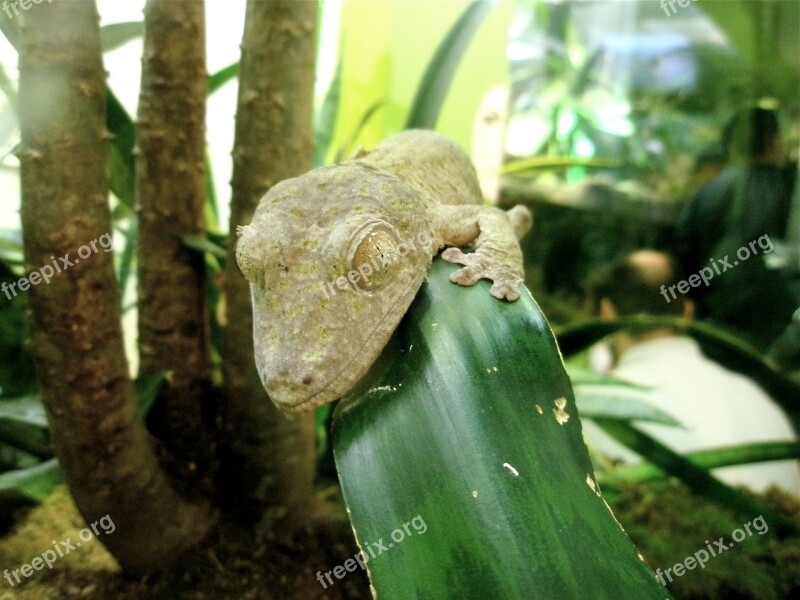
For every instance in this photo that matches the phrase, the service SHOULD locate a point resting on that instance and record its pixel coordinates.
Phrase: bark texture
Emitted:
(170, 177)
(270, 458)
(100, 440)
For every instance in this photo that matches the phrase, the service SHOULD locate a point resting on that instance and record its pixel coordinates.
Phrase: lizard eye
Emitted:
(375, 258)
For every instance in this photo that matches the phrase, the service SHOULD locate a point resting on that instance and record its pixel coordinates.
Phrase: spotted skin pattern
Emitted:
(335, 257)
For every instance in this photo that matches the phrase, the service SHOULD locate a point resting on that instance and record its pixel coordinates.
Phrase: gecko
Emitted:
(335, 257)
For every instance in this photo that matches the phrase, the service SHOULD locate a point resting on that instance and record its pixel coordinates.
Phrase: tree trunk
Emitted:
(97, 435)
(270, 458)
(173, 314)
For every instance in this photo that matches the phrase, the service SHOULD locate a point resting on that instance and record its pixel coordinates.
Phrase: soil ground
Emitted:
(666, 522)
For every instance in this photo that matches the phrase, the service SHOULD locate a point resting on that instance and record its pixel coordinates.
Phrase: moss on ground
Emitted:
(668, 523)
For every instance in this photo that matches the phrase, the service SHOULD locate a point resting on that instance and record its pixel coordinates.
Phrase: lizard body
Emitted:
(335, 257)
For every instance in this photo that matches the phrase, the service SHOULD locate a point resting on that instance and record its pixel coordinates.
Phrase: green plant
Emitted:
(471, 425)
(615, 407)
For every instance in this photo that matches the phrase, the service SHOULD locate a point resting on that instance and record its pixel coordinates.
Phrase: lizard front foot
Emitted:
(505, 279)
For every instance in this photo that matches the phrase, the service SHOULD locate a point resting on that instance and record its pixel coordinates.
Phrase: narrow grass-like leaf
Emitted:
(211, 208)
(23, 424)
(346, 147)
(147, 387)
(32, 484)
(696, 478)
(730, 351)
(221, 77)
(325, 119)
(128, 255)
(24, 409)
(533, 166)
(203, 244)
(120, 158)
(116, 34)
(580, 376)
(711, 459)
(442, 67)
(617, 403)
(9, 90)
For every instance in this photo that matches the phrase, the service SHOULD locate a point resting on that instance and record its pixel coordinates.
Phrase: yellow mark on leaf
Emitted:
(559, 412)
(591, 483)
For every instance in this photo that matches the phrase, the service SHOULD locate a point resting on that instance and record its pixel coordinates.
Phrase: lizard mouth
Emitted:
(344, 380)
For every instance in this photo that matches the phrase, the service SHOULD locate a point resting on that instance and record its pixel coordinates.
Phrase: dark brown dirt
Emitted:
(229, 565)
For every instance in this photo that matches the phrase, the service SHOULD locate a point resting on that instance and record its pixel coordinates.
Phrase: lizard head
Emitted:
(334, 258)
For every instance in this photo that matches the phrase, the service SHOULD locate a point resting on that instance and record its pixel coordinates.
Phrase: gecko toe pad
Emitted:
(505, 280)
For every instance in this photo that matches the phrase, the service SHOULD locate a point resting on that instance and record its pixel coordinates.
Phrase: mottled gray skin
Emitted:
(316, 333)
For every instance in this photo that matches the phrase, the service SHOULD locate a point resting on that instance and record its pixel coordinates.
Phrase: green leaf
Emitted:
(534, 166)
(604, 395)
(23, 424)
(120, 159)
(11, 29)
(221, 77)
(442, 68)
(11, 247)
(730, 351)
(696, 478)
(586, 377)
(24, 409)
(9, 90)
(147, 387)
(203, 244)
(117, 34)
(712, 459)
(615, 403)
(325, 119)
(12, 457)
(459, 430)
(210, 206)
(33, 483)
(128, 255)
(346, 147)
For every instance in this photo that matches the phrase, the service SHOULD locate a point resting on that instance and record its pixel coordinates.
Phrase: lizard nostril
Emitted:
(307, 380)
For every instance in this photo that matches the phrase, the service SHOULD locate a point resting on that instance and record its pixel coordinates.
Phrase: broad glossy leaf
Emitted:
(467, 423)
